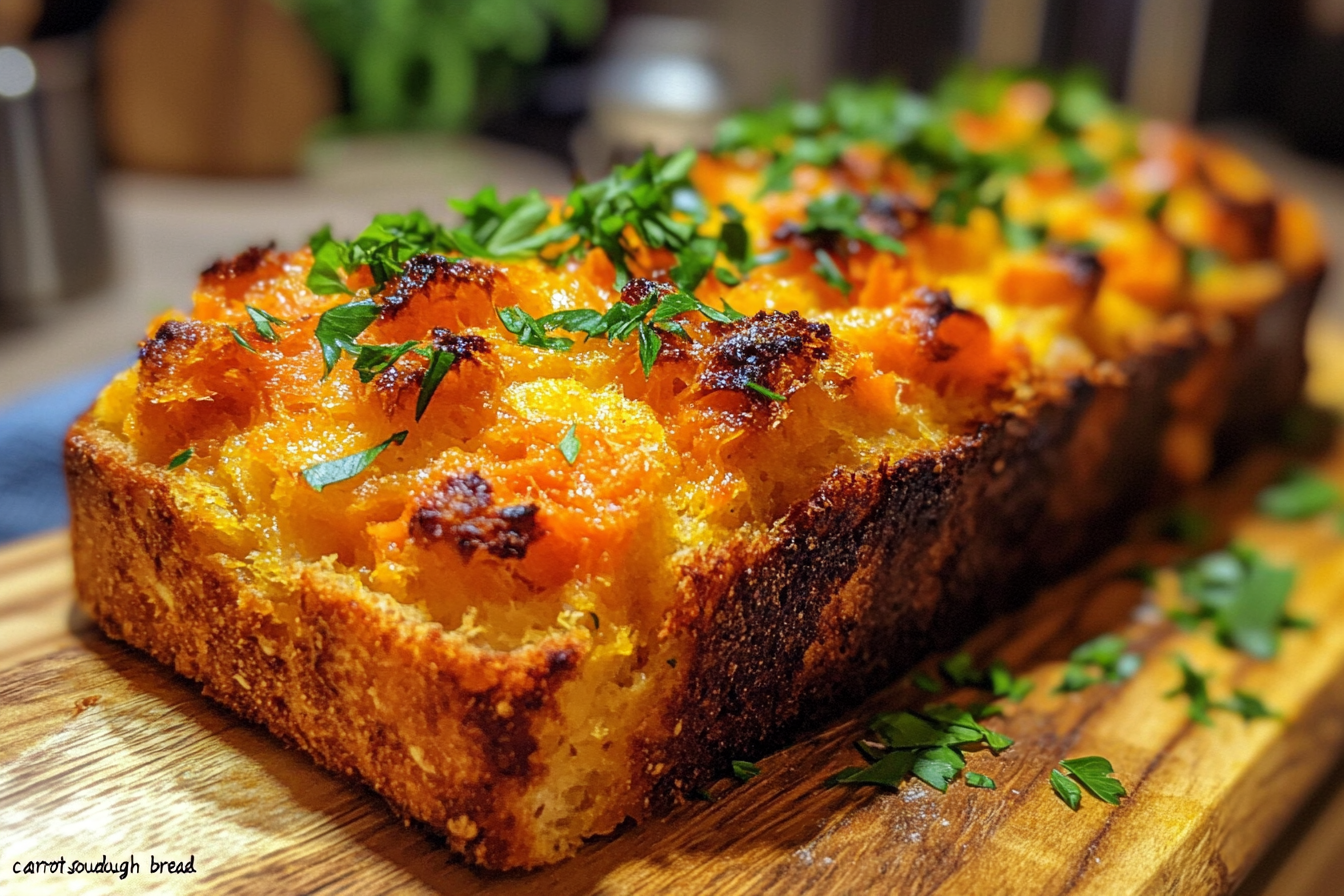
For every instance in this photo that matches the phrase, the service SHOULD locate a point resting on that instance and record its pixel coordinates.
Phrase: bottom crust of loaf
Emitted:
(852, 587)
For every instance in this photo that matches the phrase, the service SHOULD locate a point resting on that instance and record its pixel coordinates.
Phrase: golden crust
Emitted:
(849, 588)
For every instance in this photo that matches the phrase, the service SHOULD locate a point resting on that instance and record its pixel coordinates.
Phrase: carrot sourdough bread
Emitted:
(532, 524)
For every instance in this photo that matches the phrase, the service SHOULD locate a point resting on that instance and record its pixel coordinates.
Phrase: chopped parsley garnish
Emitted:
(768, 393)
(569, 445)
(621, 321)
(745, 771)
(328, 472)
(384, 246)
(238, 338)
(265, 323)
(440, 362)
(839, 214)
(1104, 658)
(1243, 595)
(181, 458)
(371, 360)
(828, 270)
(975, 779)
(499, 230)
(1299, 494)
(339, 326)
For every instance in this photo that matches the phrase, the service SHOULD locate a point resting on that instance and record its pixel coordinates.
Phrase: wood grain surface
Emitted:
(104, 752)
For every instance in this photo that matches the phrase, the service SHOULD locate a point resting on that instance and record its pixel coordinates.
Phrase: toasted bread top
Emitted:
(525, 424)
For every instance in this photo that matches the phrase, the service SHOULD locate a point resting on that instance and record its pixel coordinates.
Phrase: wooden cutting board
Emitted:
(104, 752)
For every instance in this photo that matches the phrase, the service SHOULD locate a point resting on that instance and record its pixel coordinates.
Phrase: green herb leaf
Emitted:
(768, 393)
(1249, 706)
(937, 767)
(339, 326)
(530, 331)
(181, 458)
(1195, 686)
(745, 771)
(328, 472)
(961, 671)
(1068, 791)
(888, 771)
(265, 323)
(238, 338)
(1104, 658)
(371, 360)
(1300, 494)
(569, 445)
(440, 362)
(827, 269)
(975, 779)
(1002, 683)
(925, 682)
(325, 277)
(1243, 595)
(1096, 774)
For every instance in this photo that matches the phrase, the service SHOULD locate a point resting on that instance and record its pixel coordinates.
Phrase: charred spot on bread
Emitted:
(463, 512)
(641, 289)
(937, 322)
(173, 337)
(770, 349)
(1083, 267)
(240, 265)
(424, 274)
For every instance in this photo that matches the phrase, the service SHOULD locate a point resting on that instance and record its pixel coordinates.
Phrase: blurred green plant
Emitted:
(436, 64)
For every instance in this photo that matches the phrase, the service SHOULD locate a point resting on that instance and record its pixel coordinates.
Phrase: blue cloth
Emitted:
(32, 432)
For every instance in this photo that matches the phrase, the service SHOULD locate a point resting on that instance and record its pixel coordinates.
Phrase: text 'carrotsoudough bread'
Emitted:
(533, 523)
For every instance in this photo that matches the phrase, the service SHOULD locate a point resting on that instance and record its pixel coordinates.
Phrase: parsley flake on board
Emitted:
(329, 472)
(181, 458)
(960, 670)
(569, 445)
(1103, 659)
(745, 771)
(928, 745)
(1069, 792)
(1195, 686)
(1097, 775)
(1298, 495)
(1094, 773)
(975, 779)
(1243, 595)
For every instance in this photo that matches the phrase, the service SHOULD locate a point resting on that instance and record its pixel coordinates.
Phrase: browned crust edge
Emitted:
(858, 582)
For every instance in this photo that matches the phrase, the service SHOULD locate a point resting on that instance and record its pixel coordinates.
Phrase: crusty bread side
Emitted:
(850, 588)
